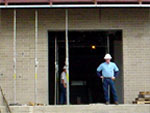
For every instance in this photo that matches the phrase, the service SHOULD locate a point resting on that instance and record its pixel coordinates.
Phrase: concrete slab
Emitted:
(93, 108)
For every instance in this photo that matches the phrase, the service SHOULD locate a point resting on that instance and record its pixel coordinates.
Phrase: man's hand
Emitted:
(65, 85)
(101, 77)
(113, 78)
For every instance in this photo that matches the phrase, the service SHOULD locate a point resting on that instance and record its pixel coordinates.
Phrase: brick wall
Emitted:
(136, 46)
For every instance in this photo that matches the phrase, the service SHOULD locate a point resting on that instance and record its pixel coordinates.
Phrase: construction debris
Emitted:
(31, 104)
(143, 98)
(35, 104)
(15, 104)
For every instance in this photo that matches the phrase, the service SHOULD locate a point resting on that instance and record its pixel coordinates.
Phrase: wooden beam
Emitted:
(6, 2)
(140, 1)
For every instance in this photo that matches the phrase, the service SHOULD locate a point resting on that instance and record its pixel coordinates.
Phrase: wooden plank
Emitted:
(144, 96)
(142, 102)
(9, 110)
(147, 99)
(145, 93)
(140, 99)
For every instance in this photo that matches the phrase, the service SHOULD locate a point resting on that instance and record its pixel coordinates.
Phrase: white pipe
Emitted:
(67, 56)
(78, 6)
(55, 98)
(108, 51)
(56, 69)
(14, 55)
(36, 60)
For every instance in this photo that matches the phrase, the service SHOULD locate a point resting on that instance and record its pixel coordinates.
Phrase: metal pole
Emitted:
(36, 60)
(79, 6)
(108, 51)
(55, 72)
(67, 56)
(108, 46)
(14, 55)
(55, 101)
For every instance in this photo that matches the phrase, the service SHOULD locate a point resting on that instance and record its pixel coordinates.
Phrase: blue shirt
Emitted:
(108, 70)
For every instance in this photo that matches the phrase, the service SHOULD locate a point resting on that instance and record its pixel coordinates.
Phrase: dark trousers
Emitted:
(109, 82)
(63, 94)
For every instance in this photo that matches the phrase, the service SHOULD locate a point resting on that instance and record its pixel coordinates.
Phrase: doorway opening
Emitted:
(86, 52)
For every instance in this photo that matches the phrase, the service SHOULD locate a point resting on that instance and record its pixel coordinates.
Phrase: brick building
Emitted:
(28, 41)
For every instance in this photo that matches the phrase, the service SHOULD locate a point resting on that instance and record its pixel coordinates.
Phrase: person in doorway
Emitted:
(108, 71)
(63, 86)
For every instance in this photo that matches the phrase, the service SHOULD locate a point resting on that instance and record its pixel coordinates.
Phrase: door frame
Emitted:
(104, 29)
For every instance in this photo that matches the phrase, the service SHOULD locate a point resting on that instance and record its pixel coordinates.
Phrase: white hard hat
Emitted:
(65, 67)
(107, 56)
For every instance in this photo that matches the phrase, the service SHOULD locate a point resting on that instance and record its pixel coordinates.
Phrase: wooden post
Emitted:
(140, 1)
(50, 2)
(95, 2)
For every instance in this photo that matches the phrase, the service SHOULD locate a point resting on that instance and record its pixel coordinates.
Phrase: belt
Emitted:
(107, 77)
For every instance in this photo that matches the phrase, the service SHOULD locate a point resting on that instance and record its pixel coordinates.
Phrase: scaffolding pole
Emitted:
(108, 46)
(108, 51)
(14, 54)
(67, 55)
(36, 60)
(55, 98)
(56, 72)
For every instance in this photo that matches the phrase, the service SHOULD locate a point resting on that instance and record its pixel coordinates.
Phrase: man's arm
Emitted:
(63, 82)
(99, 74)
(116, 71)
(99, 71)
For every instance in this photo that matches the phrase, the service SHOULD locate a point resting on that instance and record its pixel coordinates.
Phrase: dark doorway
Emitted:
(86, 52)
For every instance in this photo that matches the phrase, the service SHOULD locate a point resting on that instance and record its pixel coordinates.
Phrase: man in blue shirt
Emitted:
(108, 71)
